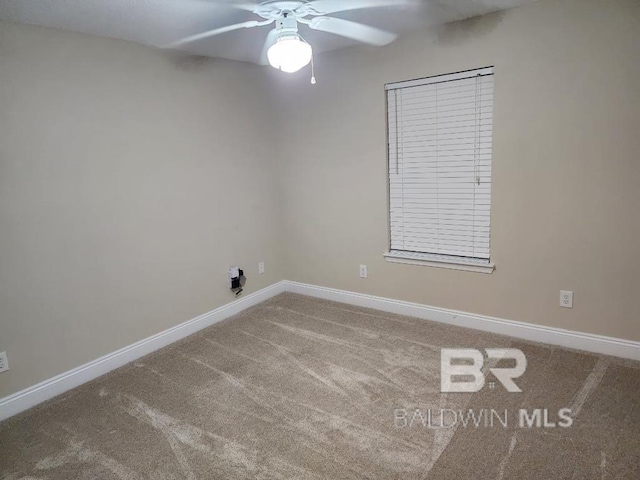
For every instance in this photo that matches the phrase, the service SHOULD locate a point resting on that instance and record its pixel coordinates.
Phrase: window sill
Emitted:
(430, 260)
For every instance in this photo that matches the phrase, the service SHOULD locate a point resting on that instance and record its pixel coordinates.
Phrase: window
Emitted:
(439, 137)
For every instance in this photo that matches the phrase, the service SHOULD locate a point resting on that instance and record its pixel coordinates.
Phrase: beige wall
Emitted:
(566, 166)
(129, 181)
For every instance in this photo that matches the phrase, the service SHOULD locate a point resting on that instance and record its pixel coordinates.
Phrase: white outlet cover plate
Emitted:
(4, 362)
(261, 267)
(566, 298)
(363, 271)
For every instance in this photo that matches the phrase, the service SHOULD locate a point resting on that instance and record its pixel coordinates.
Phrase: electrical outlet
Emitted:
(566, 299)
(261, 268)
(363, 271)
(4, 362)
(234, 272)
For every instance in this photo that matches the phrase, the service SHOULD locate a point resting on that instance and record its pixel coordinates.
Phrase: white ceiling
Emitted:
(159, 22)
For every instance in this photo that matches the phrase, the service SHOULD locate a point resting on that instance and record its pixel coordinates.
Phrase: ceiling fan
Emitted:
(284, 48)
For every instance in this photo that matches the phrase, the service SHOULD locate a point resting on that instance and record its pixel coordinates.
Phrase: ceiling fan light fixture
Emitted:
(289, 54)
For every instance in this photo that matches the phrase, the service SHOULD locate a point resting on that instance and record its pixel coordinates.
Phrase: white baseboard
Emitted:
(616, 347)
(32, 396)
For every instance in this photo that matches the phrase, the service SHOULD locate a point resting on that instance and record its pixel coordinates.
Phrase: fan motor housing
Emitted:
(276, 8)
(287, 22)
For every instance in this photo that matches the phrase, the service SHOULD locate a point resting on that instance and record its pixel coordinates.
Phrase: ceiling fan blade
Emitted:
(271, 39)
(211, 33)
(349, 29)
(249, 7)
(325, 7)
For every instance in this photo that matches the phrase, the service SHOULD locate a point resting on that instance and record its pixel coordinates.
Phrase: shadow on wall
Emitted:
(190, 63)
(456, 33)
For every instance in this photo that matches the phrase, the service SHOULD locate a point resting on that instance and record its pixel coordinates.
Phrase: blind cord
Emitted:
(397, 105)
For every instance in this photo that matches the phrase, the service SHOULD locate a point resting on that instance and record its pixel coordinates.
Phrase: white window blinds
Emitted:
(439, 136)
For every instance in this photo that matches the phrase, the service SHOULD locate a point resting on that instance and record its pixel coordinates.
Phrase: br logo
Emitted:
(468, 363)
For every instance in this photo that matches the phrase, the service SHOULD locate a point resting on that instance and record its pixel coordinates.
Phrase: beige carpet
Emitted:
(300, 388)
